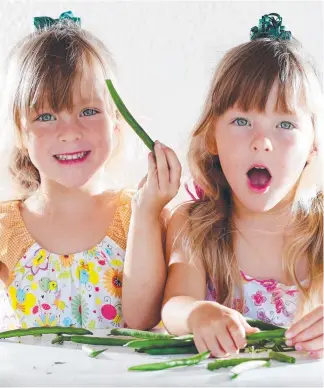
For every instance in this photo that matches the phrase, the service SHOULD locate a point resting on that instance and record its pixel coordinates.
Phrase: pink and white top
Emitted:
(266, 300)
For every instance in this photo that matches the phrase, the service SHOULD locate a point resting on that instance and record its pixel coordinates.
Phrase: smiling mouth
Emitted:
(72, 156)
(259, 178)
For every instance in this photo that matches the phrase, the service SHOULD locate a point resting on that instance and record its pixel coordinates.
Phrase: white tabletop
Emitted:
(34, 362)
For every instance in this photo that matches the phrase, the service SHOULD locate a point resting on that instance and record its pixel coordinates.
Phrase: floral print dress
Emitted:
(46, 289)
(266, 300)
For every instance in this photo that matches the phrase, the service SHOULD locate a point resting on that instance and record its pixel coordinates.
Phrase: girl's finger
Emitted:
(174, 166)
(248, 329)
(200, 343)
(237, 333)
(151, 172)
(162, 167)
(312, 345)
(317, 354)
(142, 182)
(213, 344)
(226, 341)
(311, 332)
(305, 322)
(215, 348)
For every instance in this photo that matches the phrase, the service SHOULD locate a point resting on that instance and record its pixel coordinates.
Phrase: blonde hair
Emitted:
(245, 77)
(43, 67)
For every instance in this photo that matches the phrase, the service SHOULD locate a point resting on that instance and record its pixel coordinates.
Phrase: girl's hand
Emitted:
(162, 182)
(307, 333)
(218, 328)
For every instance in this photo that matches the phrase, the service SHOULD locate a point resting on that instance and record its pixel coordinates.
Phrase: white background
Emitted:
(166, 51)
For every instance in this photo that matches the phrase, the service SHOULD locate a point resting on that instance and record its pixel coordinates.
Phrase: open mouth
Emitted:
(74, 157)
(259, 178)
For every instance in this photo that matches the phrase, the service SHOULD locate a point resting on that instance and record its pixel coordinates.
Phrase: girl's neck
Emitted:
(272, 222)
(55, 199)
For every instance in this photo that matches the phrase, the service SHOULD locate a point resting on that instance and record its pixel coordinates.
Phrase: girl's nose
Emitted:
(261, 143)
(69, 132)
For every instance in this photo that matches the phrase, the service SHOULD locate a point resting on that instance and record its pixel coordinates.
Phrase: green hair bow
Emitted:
(270, 27)
(42, 22)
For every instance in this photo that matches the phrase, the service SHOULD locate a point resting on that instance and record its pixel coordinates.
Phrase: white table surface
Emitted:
(34, 362)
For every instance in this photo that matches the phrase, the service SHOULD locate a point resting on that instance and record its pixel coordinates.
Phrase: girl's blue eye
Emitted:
(89, 112)
(286, 125)
(46, 117)
(241, 122)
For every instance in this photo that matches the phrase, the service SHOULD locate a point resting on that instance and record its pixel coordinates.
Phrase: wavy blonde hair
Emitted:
(42, 68)
(245, 77)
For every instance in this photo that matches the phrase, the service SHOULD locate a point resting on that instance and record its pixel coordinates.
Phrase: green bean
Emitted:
(140, 334)
(173, 350)
(44, 330)
(262, 325)
(96, 353)
(172, 363)
(217, 364)
(246, 366)
(91, 340)
(162, 343)
(266, 335)
(128, 117)
(282, 357)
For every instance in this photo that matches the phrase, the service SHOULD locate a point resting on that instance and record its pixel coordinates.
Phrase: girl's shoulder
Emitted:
(119, 228)
(9, 215)
(14, 239)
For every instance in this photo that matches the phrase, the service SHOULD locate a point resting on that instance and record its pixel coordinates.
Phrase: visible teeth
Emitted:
(71, 157)
(260, 168)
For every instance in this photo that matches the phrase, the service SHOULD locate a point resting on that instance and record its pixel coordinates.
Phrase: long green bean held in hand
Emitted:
(262, 325)
(128, 117)
(262, 335)
(44, 330)
(172, 363)
(108, 341)
(247, 366)
(140, 334)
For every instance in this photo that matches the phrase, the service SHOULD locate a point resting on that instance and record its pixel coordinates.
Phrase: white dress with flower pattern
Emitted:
(46, 289)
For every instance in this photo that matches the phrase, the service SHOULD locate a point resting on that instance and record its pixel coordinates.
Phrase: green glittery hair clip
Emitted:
(43, 22)
(270, 27)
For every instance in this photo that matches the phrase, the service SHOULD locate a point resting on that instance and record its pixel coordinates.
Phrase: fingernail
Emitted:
(158, 144)
(289, 342)
(298, 347)
(288, 334)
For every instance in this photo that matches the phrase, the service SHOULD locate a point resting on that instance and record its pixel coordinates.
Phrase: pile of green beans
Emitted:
(269, 339)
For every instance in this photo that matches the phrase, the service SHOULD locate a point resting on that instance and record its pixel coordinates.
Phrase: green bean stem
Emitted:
(128, 117)
(44, 330)
(140, 334)
(109, 341)
(282, 357)
(96, 353)
(172, 363)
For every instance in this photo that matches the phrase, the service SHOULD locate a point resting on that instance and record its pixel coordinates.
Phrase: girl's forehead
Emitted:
(89, 85)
